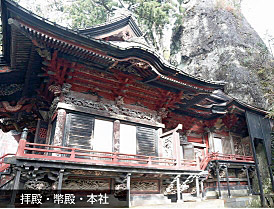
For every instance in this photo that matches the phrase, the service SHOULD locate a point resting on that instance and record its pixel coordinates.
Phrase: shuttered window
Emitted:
(103, 136)
(222, 144)
(84, 131)
(188, 151)
(218, 144)
(127, 139)
(79, 130)
(226, 145)
(146, 141)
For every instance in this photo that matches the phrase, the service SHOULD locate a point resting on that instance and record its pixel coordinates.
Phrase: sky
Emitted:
(260, 15)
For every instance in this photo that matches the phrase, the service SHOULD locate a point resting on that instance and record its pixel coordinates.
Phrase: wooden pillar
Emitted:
(248, 182)
(256, 162)
(37, 130)
(116, 136)
(128, 189)
(15, 186)
(178, 189)
(60, 179)
(218, 179)
(197, 160)
(197, 187)
(227, 181)
(60, 126)
(202, 188)
(258, 173)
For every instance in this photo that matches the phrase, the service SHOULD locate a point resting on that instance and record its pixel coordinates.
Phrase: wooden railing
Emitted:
(60, 153)
(229, 157)
(4, 166)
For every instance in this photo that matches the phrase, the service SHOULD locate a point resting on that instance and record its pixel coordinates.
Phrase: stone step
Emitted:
(148, 199)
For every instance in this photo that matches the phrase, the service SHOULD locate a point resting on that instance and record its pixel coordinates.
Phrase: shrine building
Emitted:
(100, 109)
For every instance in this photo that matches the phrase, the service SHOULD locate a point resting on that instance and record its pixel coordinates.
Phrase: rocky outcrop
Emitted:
(214, 41)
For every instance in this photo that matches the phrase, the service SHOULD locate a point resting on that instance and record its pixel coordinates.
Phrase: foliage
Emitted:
(87, 13)
(152, 15)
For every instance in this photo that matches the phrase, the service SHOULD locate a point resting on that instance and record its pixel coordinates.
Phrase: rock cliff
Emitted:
(214, 41)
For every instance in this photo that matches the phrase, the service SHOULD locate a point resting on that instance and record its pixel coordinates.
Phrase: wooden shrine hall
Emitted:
(100, 109)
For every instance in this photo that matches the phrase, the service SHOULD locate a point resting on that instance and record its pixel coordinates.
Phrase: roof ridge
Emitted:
(106, 23)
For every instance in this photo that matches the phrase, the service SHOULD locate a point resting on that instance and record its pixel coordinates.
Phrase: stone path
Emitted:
(203, 204)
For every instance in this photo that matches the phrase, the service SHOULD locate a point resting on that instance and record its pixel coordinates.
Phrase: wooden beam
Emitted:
(29, 70)
(248, 182)
(22, 161)
(218, 179)
(178, 188)
(128, 189)
(60, 179)
(113, 116)
(227, 181)
(15, 186)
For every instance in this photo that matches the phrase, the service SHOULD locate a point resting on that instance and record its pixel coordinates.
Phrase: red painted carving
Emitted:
(19, 106)
(173, 120)
(230, 120)
(210, 123)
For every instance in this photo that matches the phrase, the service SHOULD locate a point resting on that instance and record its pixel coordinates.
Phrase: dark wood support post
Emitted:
(60, 126)
(116, 136)
(227, 181)
(15, 186)
(258, 173)
(256, 161)
(178, 188)
(60, 179)
(202, 188)
(248, 181)
(218, 180)
(128, 189)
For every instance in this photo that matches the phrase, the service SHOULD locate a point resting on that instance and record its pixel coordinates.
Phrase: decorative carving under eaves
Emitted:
(9, 89)
(86, 184)
(37, 185)
(66, 88)
(222, 173)
(110, 108)
(120, 190)
(238, 146)
(119, 101)
(242, 173)
(95, 173)
(126, 69)
(144, 186)
(172, 187)
(247, 146)
(162, 112)
(65, 91)
(183, 138)
(167, 143)
(55, 89)
(53, 106)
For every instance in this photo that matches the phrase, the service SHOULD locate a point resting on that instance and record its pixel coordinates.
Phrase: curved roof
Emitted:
(111, 26)
(109, 50)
